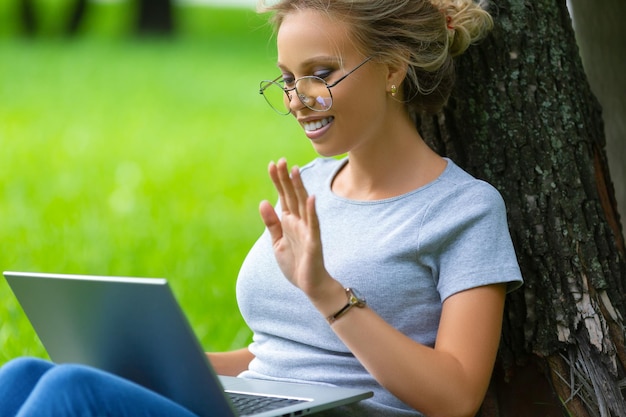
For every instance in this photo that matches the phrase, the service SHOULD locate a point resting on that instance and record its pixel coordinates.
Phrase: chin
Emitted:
(328, 153)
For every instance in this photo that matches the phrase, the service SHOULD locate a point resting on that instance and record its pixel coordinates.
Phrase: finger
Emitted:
(290, 199)
(271, 220)
(273, 173)
(300, 192)
(312, 219)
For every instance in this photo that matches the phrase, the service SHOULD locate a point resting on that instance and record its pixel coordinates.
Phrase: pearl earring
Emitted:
(394, 90)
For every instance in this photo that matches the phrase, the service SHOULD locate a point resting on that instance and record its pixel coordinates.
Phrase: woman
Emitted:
(425, 244)
(385, 269)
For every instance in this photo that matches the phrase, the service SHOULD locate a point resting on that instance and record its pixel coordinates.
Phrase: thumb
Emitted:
(271, 220)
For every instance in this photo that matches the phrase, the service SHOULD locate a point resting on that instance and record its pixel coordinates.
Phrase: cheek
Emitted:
(361, 104)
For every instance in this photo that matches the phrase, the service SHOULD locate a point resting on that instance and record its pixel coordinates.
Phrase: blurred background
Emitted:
(133, 142)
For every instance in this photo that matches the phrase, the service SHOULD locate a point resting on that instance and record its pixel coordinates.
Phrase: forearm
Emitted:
(447, 380)
(430, 381)
(230, 363)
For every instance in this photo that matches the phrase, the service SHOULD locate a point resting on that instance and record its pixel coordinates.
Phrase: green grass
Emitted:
(139, 158)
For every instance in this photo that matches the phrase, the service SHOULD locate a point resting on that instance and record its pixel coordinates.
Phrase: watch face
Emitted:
(355, 298)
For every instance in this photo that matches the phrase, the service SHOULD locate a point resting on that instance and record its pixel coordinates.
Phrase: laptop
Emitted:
(134, 328)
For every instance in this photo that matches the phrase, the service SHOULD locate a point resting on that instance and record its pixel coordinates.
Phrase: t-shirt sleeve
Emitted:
(466, 241)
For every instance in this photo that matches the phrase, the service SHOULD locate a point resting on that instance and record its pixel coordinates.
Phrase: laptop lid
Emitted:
(134, 328)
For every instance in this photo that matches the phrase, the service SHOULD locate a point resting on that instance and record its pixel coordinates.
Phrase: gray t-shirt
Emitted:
(404, 254)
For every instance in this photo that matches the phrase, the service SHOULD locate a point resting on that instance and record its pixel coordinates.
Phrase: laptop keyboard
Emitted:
(247, 404)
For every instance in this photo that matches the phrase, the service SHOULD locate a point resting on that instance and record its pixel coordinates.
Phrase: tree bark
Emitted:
(523, 117)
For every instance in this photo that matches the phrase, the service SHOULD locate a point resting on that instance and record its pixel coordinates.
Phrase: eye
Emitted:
(323, 73)
(288, 81)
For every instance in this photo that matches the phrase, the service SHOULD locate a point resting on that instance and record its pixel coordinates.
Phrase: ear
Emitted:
(396, 73)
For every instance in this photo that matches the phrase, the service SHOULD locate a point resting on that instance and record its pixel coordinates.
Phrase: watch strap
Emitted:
(353, 301)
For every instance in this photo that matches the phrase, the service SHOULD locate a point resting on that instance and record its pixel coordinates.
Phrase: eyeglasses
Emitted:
(312, 91)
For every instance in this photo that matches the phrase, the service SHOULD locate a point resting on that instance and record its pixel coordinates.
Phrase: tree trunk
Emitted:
(155, 17)
(76, 16)
(599, 30)
(523, 117)
(28, 18)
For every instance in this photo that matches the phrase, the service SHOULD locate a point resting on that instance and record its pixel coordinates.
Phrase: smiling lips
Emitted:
(317, 124)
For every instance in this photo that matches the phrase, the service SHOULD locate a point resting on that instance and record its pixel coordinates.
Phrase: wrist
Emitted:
(330, 299)
(353, 299)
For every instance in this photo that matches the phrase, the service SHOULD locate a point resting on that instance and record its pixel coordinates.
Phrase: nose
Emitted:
(295, 104)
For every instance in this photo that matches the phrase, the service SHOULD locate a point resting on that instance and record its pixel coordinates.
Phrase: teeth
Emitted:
(318, 124)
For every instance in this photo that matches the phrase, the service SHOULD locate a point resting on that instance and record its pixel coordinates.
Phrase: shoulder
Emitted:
(462, 194)
(462, 208)
(465, 235)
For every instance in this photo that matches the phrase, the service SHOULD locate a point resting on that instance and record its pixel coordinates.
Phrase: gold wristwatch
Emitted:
(354, 300)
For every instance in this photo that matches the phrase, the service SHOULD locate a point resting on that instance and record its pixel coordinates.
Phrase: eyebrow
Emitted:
(324, 59)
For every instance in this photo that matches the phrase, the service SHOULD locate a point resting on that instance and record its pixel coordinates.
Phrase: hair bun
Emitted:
(467, 20)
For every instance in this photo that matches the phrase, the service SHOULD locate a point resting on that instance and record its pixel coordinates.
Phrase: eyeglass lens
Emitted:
(311, 91)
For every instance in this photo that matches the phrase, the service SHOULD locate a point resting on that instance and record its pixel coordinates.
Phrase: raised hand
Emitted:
(296, 234)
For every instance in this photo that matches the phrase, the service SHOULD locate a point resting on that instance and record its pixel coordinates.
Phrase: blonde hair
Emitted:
(424, 34)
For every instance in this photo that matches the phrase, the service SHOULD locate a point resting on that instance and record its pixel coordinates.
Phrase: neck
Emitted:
(401, 163)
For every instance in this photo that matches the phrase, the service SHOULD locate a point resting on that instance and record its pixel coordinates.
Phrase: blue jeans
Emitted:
(34, 387)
